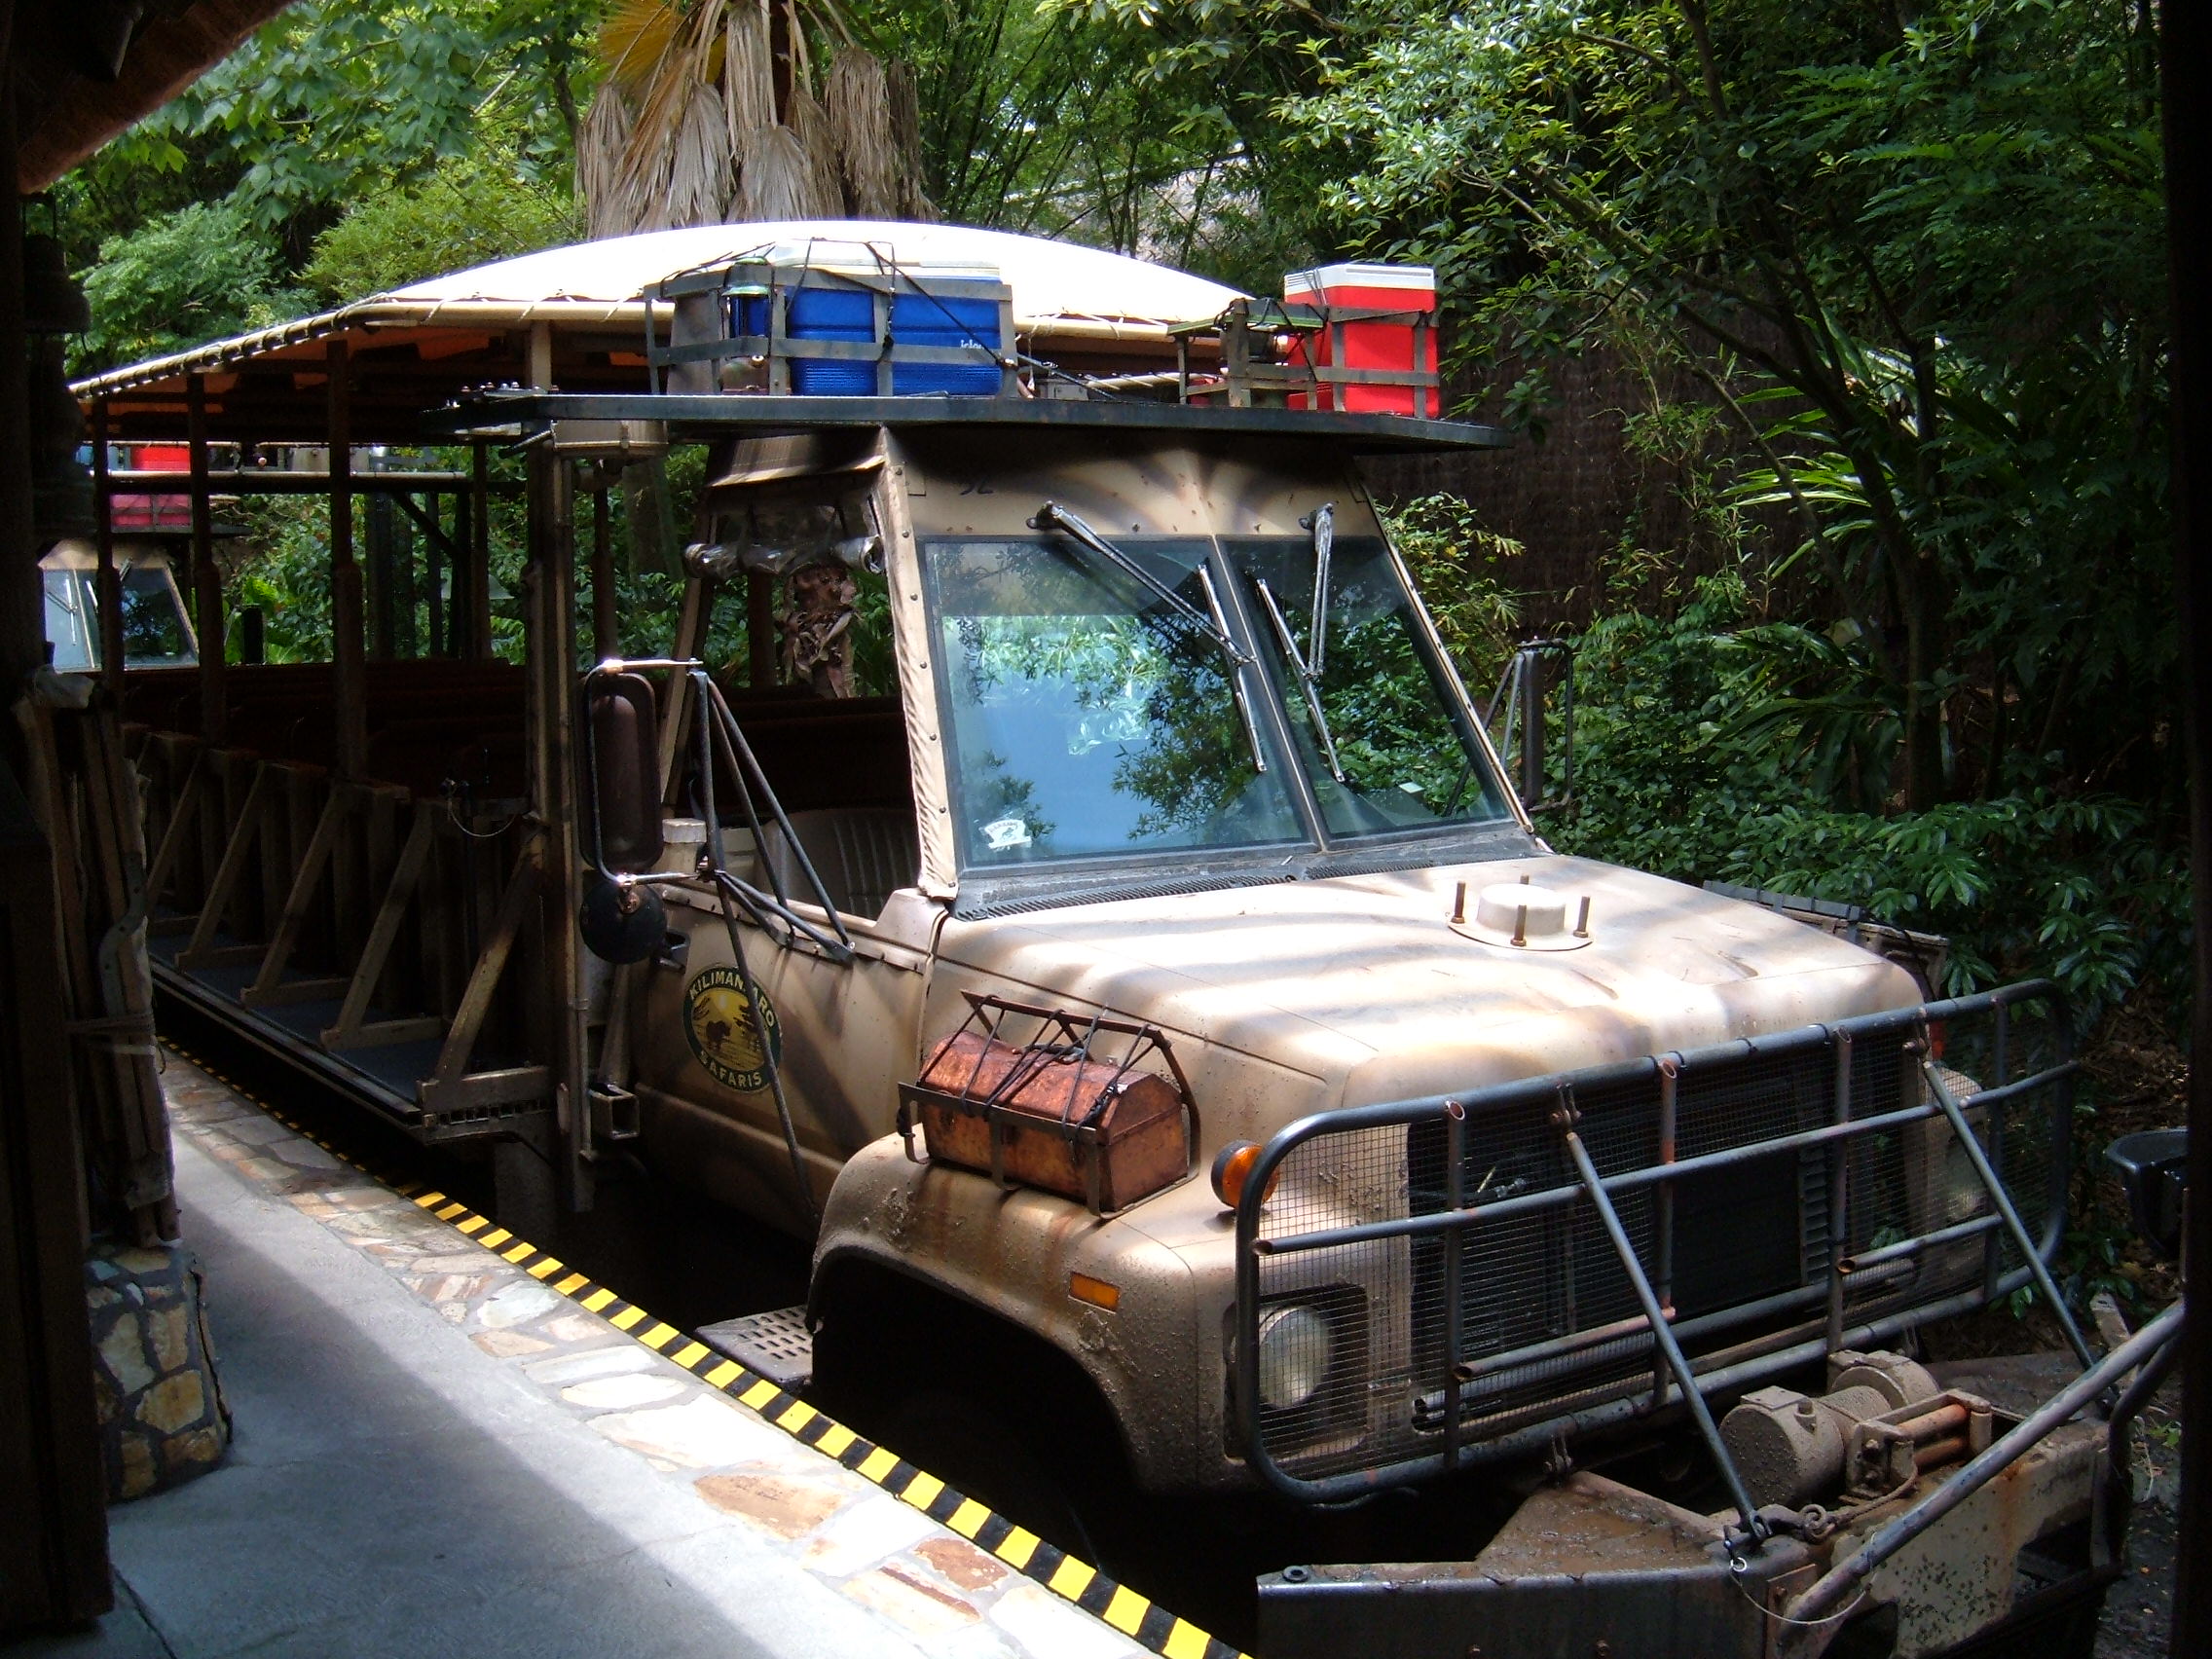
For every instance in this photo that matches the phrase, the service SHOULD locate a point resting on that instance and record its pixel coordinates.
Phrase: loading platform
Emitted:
(447, 1441)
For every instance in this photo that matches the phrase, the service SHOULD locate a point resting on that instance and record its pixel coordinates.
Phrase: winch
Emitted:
(1883, 1419)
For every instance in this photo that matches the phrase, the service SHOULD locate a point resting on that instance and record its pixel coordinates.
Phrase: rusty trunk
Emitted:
(1053, 1118)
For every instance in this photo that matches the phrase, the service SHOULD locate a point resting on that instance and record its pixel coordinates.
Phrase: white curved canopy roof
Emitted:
(1048, 278)
(1062, 293)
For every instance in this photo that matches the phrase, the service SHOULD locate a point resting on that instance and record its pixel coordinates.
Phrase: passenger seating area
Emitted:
(428, 722)
(862, 855)
(838, 767)
(840, 771)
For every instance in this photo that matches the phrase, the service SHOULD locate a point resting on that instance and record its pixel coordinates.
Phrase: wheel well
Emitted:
(882, 1333)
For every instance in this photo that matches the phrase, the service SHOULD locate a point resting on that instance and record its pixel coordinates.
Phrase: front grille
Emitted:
(1537, 1326)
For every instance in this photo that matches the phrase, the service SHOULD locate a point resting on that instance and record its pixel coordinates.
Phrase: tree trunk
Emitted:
(1920, 590)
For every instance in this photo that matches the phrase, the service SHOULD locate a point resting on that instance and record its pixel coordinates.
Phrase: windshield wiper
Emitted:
(1215, 626)
(1322, 521)
(1307, 680)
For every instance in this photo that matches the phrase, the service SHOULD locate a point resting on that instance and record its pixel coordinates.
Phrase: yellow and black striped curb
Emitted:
(1115, 1604)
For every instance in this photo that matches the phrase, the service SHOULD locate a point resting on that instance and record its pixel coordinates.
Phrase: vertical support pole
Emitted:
(457, 614)
(206, 579)
(107, 582)
(605, 626)
(380, 582)
(694, 613)
(1454, 1251)
(541, 355)
(1993, 1245)
(406, 640)
(479, 545)
(760, 631)
(1839, 1192)
(1663, 1202)
(433, 585)
(551, 652)
(53, 1523)
(348, 685)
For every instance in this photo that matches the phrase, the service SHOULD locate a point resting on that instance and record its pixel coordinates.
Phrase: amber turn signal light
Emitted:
(1232, 1166)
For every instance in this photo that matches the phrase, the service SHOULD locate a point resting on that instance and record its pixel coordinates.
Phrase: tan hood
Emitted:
(1359, 983)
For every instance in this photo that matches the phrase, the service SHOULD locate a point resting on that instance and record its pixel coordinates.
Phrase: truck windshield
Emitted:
(1088, 716)
(1390, 749)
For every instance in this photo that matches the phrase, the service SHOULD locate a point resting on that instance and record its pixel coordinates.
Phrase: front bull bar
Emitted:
(1672, 1370)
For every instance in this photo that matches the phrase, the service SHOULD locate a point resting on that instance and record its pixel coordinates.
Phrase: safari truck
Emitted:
(1160, 984)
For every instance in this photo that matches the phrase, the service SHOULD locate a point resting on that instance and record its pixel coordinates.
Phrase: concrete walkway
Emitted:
(436, 1453)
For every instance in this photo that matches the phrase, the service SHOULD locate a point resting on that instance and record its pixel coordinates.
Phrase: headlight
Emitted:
(1294, 1357)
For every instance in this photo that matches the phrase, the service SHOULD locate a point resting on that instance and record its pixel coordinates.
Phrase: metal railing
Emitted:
(1497, 1270)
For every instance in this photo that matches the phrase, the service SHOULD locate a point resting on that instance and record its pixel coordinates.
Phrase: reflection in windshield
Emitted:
(1089, 716)
(1400, 759)
(153, 628)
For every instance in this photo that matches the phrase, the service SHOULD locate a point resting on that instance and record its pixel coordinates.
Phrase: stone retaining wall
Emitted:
(163, 1420)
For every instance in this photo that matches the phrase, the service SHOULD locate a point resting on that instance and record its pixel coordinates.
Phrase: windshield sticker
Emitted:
(719, 1019)
(1002, 835)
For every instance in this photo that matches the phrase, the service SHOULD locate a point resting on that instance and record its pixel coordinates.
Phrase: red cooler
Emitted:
(154, 512)
(1402, 340)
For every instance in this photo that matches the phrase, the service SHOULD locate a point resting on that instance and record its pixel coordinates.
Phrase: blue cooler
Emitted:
(930, 319)
(831, 313)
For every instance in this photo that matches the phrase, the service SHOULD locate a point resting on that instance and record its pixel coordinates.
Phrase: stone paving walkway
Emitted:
(436, 1453)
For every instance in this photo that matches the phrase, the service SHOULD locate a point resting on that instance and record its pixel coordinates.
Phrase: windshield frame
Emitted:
(985, 888)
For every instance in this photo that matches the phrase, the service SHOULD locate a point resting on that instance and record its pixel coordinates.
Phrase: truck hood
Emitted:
(1360, 985)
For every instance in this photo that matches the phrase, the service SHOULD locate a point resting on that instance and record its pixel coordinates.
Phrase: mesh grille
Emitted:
(1356, 1347)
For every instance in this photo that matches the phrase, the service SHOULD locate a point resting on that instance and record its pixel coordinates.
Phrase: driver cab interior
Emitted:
(789, 539)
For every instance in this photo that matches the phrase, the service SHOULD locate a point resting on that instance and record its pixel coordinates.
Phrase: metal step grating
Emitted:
(776, 1344)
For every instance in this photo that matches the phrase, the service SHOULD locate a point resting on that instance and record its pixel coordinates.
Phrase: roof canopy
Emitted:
(1050, 280)
(413, 349)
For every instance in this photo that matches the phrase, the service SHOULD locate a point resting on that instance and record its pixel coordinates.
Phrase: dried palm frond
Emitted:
(902, 96)
(699, 171)
(776, 181)
(602, 140)
(749, 83)
(689, 123)
(826, 190)
(857, 120)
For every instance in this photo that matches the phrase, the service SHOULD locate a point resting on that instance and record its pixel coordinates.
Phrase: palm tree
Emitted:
(708, 111)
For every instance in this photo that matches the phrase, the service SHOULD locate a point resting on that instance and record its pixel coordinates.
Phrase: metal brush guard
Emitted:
(1060, 1038)
(1505, 1267)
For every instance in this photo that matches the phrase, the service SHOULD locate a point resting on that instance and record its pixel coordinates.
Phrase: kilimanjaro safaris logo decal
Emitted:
(720, 1019)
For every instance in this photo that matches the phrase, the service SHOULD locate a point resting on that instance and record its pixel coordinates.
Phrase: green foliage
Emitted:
(284, 571)
(1454, 560)
(1915, 256)
(469, 210)
(446, 128)
(332, 99)
(197, 274)
(1686, 767)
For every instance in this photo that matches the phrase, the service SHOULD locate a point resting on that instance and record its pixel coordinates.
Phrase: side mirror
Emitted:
(621, 756)
(1524, 740)
(2153, 1168)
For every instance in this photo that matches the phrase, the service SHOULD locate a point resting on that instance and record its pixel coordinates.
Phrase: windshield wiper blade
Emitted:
(1237, 662)
(1052, 516)
(1306, 680)
(1322, 521)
